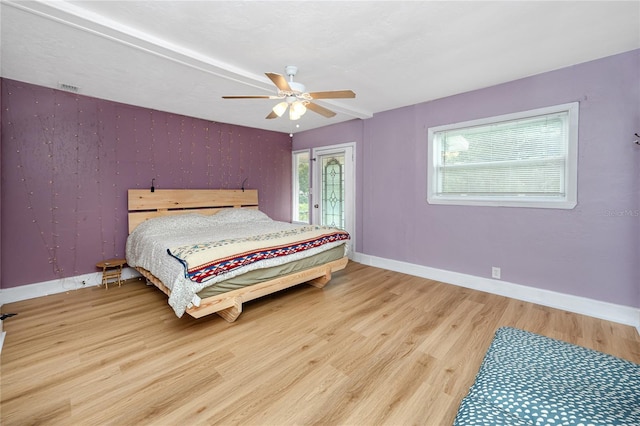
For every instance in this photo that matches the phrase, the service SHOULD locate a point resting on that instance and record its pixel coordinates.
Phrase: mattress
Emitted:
(528, 379)
(257, 276)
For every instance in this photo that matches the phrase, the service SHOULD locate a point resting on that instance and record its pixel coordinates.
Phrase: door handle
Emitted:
(315, 206)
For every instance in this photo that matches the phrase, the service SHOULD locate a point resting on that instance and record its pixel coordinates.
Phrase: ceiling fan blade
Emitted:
(320, 110)
(280, 81)
(271, 115)
(334, 94)
(250, 97)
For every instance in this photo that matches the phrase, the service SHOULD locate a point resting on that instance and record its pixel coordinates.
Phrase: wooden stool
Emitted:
(111, 271)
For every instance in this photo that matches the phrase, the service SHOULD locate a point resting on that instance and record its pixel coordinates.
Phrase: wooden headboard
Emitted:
(144, 204)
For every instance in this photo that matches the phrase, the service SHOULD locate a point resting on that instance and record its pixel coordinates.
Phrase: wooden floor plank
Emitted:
(372, 347)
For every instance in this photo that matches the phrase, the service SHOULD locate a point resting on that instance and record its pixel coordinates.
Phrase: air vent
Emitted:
(69, 87)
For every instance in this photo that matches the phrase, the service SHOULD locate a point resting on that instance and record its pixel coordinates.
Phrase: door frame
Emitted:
(349, 150)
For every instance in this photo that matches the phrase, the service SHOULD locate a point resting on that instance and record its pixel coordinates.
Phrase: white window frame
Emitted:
(568, 201)
(295, 190)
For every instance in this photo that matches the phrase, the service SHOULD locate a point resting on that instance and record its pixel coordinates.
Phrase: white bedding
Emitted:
(148, 243)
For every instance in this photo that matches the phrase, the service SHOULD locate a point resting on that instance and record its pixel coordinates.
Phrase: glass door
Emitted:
(334, 188)
(332, 191)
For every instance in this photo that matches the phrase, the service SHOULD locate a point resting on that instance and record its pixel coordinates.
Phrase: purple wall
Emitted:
(68, 160)
(591, 251)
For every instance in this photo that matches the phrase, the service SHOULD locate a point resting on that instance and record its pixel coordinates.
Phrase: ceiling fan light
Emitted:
(299, 109)
(280, 108)
(293, 115)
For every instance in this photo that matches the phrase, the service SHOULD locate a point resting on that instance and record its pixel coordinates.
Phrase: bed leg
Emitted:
(320, 282)
(232, 313)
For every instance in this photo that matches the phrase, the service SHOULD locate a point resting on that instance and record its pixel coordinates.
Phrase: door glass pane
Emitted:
(333, 190)
(301, 187)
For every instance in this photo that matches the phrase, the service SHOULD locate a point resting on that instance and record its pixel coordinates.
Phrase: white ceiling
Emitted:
(182, 56)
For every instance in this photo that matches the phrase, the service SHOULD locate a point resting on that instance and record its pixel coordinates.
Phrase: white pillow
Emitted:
(235, 215)
(174, 222)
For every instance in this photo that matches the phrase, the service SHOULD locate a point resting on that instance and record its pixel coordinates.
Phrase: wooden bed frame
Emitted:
(144, 204)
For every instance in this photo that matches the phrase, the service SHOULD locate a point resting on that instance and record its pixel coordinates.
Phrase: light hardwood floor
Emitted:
(372, 347)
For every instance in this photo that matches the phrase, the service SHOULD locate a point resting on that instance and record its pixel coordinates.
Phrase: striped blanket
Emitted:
(204, 261)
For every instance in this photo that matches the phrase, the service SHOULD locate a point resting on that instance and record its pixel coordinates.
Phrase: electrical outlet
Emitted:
(84, 283)
(495, 272)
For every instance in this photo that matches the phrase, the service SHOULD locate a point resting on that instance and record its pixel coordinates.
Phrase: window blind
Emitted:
(522, 157)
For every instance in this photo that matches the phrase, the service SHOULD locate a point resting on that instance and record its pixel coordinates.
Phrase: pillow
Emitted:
(173, 222)
(235, 215)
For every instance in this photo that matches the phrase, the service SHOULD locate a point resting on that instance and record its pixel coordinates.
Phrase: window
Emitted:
(526, 159)
(300, 186)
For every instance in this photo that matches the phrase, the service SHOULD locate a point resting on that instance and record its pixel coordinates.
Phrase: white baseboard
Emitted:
(30, 291)
(581, 305)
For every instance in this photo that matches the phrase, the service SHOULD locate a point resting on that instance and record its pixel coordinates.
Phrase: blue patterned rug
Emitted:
(527, 379)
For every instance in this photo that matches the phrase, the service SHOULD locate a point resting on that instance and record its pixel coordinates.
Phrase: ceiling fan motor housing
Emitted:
(297, 88)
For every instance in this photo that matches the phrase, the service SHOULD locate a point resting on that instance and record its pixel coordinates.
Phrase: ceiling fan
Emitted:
(295, 97)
